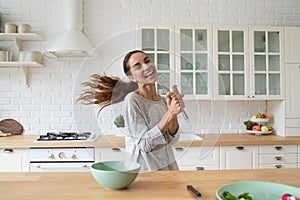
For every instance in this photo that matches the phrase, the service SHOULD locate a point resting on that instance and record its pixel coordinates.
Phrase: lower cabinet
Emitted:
(278, 156)
(14, 160)
(202, 157)
(197, 158)
(110, 153)
(239, 157)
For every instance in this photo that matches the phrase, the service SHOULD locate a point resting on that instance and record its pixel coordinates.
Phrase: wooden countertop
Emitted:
(29, 141)
(148, 185)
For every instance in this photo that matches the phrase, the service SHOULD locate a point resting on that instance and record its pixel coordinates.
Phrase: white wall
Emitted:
(48, 103)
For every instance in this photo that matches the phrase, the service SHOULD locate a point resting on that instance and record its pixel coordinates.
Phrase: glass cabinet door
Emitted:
(193, 61)
(157, 43)
(266, 63)
(231, 62)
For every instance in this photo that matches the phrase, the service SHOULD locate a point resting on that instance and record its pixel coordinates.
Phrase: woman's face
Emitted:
(143, 70)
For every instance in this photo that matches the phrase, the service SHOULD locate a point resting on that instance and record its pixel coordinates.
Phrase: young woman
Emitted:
(151, 120)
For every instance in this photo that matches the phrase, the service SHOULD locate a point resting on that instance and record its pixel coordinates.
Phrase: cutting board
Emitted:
(10, 127)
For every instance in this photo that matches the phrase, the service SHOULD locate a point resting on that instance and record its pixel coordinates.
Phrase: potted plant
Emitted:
(119, 121)
(120, 124)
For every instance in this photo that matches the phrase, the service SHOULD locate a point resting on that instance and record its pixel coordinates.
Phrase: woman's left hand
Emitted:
(175, 99)
(175, 93)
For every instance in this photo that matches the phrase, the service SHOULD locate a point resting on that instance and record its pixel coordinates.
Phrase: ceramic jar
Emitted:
(10, 28)
(30, 56)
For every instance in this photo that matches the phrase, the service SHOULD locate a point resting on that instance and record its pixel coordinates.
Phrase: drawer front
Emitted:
(292, 131)
(278, 149)
(269, 166)
(114, 153)
(197, 155)
(292, 123)
(277, 158)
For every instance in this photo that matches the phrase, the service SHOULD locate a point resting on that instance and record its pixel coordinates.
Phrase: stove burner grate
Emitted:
(54, 136)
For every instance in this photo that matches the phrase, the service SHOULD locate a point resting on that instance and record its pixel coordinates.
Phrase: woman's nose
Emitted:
(144, 66)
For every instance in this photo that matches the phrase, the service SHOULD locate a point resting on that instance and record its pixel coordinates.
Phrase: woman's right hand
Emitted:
(174, 101)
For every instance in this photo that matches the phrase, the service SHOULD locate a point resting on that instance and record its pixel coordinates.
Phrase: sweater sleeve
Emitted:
(144, 137)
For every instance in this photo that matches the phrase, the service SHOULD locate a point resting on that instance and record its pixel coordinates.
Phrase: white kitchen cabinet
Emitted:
(197, 158)
(206, 62)
(278, 156)
(194, 61)
(249, 62)
(14, 160)
(110, 153)
(292, 103)
(238, 157)
(231, 58)
(18, 38)
(292, 70)
(266, 62)
(158, 43)
(292, 90)
(292, 44)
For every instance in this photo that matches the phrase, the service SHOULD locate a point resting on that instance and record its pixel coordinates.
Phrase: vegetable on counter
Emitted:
(228, 196)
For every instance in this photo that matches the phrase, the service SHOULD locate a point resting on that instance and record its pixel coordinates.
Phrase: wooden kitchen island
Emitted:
(148, 185)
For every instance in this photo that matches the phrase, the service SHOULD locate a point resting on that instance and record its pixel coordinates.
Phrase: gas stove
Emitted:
(65, 136)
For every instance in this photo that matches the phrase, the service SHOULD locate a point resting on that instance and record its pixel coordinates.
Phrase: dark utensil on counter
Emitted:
(195, 192)
(11, 127)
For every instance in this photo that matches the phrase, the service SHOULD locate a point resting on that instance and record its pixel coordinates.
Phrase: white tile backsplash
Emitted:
(48, 103)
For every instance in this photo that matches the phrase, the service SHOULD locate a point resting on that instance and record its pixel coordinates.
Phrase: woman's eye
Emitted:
(137, 67)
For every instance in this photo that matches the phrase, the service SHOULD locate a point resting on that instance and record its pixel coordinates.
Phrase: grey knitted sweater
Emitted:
(144, 140)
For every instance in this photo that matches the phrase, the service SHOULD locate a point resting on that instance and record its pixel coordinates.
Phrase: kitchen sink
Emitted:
(189, 137)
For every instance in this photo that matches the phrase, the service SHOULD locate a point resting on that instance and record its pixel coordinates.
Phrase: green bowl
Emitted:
(258, 190)
(115, 175)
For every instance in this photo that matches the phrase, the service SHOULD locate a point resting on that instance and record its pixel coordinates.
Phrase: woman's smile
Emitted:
(149, 74)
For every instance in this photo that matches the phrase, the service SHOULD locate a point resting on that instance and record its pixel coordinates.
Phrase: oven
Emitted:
(61, 159)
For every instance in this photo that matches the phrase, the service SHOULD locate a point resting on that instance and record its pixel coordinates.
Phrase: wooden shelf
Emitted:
(21, 36)
(23, 65)
(19, 64)
(18, 38)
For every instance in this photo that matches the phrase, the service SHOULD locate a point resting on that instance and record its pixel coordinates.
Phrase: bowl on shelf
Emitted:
(259, 120)
(115, 175)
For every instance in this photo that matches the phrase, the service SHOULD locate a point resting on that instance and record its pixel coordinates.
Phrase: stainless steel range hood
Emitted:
(72, 43)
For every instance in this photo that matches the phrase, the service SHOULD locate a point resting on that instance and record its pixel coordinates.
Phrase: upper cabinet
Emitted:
(292, 47)
(194, 61)
(206, 62)
(231, 62)
(158, 44)
(249, 62)
(266, 62)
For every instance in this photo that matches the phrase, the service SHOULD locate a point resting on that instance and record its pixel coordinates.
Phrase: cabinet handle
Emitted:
(239, 148)
(278, 148)
(278, 158)
(179, 148)
(200, 168)
(115, 149)
(278, 166)
(8, 150)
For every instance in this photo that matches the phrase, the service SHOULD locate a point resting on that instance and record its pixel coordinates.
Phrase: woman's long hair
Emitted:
(106, 90)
